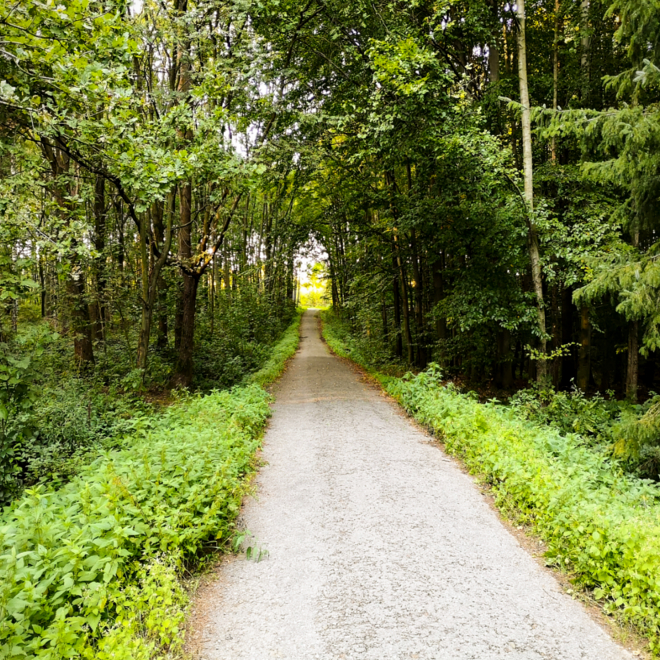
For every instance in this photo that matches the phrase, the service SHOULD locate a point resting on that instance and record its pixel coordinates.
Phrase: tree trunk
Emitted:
(528, 172)
(151, 277)
(404, 302)
(568, 372)
(633, 361)
(507, 367)
(584, 354)
(555, 78)
(161, 298)
(99, 245)
(585, 44)
(396, 293)
(419, 301)
(42, 285)
(556, 336)
(187, 306)
(184, 368)
(438, 295)
(83, 349)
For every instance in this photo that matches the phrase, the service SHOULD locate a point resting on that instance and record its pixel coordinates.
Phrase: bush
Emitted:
(366, 351)
(284, 349)
(245, 325)
(72, 422)
(91, 570)
(571, 412)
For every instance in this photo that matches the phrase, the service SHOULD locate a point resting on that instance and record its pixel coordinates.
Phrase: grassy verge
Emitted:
(281, 352)
(92, 570)
(601, 525)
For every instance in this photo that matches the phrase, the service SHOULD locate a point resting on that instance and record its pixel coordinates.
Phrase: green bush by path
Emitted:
(91, 570)
(282, 351)
(601, 524)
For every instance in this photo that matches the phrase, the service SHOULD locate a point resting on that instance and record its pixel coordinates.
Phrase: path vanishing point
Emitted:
(380, 547)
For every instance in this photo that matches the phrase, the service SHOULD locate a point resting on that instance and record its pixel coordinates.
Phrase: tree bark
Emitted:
(188, 299)
(568, 372)
(99, 245)
(528, 172)
(438, 295)
(584, 353)
(585, 44)
(419, 301)
(632, 373)
(83, 349)
(404, 301)
(184, 367)
(161, 298)
(396, 293)
(555, 78)
(151, 277)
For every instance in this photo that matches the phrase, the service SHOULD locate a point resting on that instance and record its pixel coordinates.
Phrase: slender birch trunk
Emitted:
(528, 171)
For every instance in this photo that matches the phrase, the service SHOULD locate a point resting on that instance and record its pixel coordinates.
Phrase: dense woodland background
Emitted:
(482, 177)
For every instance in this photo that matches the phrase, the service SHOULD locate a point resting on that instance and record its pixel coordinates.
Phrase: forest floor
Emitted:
(378, 545)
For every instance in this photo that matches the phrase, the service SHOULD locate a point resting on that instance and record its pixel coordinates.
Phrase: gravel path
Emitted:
(379, 546)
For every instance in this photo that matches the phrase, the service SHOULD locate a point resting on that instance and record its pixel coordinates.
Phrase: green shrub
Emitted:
(91, 570)
(73, 421)
(571, 412)
(364, 350)
(282, 351)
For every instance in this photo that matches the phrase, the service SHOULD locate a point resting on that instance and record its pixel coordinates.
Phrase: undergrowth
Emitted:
(601, 523)
(92, 569)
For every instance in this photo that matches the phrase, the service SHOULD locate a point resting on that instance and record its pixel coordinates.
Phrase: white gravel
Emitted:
(379, 546)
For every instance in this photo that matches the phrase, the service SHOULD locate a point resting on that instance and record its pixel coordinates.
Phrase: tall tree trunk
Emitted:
(555, 78)
(556, 336)
(507, 364)
(151, 277)
(632, 373)
(528, 172)
(99, 265)
(568, 372)
(42, 286)
(396, 293)
(438, 295)
(584, 353)
(404, 301)
(161, 298)
(493, 49)
(585, 44)
(83, 349)
(419, 302)
(184, 366)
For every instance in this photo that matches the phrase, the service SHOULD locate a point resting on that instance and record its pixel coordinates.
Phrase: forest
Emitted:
(473, 180)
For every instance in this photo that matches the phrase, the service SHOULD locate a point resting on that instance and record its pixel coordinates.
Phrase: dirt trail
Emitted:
(379, 546)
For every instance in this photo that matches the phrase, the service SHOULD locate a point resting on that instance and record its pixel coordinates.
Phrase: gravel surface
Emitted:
(379, 546)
